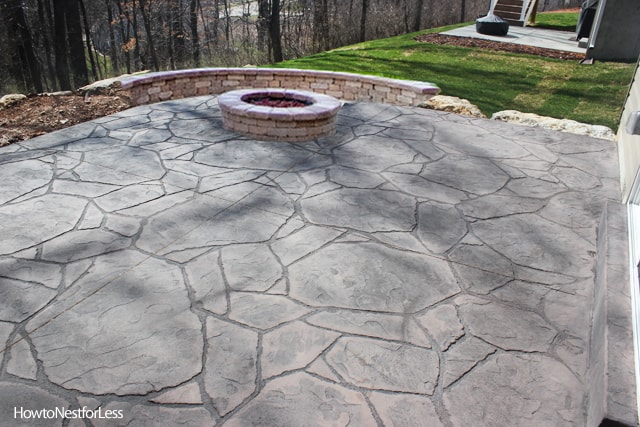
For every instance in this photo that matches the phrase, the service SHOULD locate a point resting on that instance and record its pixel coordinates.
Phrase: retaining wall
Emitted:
(163, 86)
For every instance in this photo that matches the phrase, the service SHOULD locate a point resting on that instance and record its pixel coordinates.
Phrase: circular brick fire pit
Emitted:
(279, 114)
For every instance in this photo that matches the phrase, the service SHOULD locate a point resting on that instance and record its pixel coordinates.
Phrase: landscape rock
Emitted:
(11, 99)
(453, 104)
(562, 125)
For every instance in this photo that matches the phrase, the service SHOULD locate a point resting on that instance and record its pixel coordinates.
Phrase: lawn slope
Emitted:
(492, 80)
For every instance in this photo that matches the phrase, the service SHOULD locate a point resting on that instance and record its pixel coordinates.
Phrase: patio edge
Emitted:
(611, 376)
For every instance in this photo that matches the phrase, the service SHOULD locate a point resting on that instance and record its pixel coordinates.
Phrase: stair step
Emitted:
(518, 3)
(503, 8)
(507, 15)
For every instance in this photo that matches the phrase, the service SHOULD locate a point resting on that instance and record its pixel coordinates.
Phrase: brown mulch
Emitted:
(40, 114)
(498, 46)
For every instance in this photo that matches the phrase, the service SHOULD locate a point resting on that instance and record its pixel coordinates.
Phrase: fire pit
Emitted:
(279, 114)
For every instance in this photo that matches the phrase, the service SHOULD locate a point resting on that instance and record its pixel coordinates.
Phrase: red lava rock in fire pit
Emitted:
(279, 114)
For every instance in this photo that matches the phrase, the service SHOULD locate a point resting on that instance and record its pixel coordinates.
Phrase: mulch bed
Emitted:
(498, 46)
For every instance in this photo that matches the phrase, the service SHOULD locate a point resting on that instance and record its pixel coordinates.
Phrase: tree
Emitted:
(24, 65)
(68, 45)
(363, 20)
(274, 31)
(195, 40)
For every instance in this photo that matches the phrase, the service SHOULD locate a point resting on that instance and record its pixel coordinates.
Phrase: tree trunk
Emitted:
(363, 20)
(95, 71)
(195, 40)
(262, 23)
(274, 31)
(417, 25)
(112, 38)
(25, 69)
(147, 26)
(77, 58)
(177, 35)
(321, 25)
(60, 46)
(46, 26)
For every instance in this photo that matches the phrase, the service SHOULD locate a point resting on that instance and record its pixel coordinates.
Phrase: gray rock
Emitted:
(366, 210)
(424, 188)
(264, 311)
(29, 223)
(153, 415)
(443, 324)
(405, 410)
(440, 226)
(21, 362)
(522, 383)
(22, 299)
(373, 153)
(46, 274)
(372, 277)
(205, 278)
(293, 346)
(26, 400)
(382, 365)
(378, 325)
(300, 399)
(231, 364)
(533, 187)
(302, 242)
(463, 356)
(542, 244)
(82, 244)
(134, 335)
(129, 196)
(473, 175)
(250, 267)
(20, 178)
(496, 205)
(187, 394)
(260, 155)
(506, 327)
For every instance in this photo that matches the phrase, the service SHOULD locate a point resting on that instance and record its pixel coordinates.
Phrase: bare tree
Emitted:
(24, 68)
(274, 31)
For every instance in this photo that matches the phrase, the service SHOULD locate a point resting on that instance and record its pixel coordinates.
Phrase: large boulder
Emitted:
(452, 104)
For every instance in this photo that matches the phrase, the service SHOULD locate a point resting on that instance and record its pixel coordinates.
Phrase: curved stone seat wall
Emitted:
(167, 85)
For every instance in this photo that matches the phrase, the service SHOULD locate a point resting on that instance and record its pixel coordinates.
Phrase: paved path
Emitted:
(418, 268)
(529, 36)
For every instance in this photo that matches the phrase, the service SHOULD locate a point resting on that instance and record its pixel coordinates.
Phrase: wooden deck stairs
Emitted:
(516, 12)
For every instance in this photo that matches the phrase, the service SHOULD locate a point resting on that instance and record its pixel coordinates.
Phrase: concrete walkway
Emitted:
(419, 268)
(529, 36)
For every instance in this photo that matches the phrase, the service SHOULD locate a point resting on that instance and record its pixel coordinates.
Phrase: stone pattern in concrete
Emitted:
(416, 268)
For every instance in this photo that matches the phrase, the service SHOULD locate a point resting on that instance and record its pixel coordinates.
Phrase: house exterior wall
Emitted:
(628, 144)
(615, 34)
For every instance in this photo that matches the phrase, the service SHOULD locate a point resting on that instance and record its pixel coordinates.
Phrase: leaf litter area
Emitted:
(40, 114)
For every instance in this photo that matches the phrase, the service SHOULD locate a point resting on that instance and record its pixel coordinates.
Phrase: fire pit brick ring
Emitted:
(279, 114)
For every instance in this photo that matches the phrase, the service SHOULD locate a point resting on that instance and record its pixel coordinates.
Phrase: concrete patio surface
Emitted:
(418, 268)
(529, 36)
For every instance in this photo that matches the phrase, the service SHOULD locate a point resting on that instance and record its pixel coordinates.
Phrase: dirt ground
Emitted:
(40, 114)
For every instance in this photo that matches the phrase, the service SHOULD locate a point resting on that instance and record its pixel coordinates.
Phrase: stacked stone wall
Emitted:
(164, 86)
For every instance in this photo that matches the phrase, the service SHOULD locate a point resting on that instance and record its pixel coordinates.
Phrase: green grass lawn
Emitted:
(493, 81)
(557, 21)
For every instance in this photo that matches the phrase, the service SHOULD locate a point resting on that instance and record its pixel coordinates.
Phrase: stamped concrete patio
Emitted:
(418, 268)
